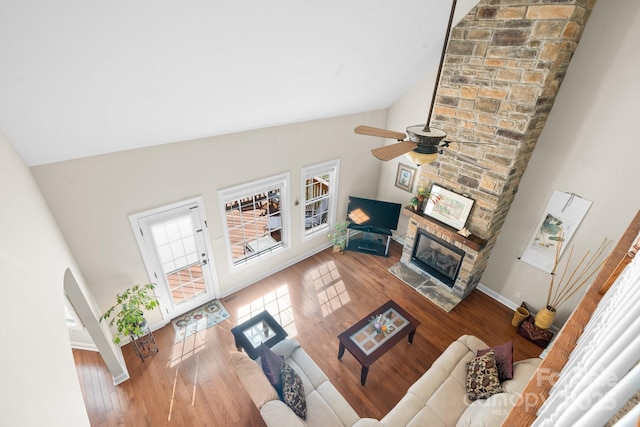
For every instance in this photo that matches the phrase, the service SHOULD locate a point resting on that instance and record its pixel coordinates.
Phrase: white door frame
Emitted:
(154, 270)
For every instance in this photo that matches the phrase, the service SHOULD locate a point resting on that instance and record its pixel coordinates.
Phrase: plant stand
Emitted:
(144, 345)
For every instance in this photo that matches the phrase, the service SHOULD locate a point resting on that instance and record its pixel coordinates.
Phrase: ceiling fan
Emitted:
(424, 142)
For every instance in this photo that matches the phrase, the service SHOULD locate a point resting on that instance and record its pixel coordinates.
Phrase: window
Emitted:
(320, 185)
(254, 217)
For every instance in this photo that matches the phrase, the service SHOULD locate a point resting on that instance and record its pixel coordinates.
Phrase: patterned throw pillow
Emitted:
(293, 391)
(272, 367)
(504, 359)
(482, 377)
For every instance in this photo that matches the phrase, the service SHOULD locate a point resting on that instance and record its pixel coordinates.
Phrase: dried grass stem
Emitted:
(579, 276)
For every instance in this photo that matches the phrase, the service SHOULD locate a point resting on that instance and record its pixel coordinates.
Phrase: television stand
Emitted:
(366, 239)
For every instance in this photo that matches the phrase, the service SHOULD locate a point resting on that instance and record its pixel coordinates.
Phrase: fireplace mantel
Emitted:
(474, 242)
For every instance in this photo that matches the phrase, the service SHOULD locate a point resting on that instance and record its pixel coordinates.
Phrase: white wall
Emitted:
(92, 197)
(39, 381)
(588, 147)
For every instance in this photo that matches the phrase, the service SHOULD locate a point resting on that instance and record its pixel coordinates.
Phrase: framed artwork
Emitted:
(563, 214)
(405, 176)
(446, 206)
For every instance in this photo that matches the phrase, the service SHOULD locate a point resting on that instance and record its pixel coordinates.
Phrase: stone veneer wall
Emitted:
(504, 65)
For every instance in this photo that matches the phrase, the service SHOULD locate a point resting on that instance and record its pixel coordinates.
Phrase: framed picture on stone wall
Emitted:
(446, 206)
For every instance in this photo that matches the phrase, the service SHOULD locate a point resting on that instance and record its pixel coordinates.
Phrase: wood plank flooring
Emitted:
(192, 384)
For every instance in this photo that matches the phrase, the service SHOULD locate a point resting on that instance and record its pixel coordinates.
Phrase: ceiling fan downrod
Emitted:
(444, 51)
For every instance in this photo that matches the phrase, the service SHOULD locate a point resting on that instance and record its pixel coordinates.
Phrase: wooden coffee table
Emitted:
(367, 346)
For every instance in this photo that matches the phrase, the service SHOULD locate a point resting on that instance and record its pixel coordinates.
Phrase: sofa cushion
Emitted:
(493, 411)
(504, 359)
(368, 422)
(293, 391)
(482, 377)
(338, 404)
(427, 414)
(325, 405)
(272, 367)
(322, 411)
(488, 412)
(309, 370)
(285, 347)
(253, 379)
(277, 414)
(404, 411)
(523, 371)
(431, 395)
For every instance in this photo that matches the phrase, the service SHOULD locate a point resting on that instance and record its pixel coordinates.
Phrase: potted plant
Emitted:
(128, 314)
(417, 201)
(339, 237)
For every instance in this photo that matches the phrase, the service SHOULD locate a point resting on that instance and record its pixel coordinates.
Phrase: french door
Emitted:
(175, 247)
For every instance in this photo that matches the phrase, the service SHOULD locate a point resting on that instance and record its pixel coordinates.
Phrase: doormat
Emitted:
(425, 286)
(199, 319)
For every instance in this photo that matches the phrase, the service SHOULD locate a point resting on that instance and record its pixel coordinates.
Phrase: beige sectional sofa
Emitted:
(438, 398)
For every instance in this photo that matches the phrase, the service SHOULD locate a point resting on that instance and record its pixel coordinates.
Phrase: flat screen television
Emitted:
(374, 214)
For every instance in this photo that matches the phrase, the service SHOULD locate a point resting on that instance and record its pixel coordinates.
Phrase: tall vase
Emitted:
(519, 315)
(544, 318)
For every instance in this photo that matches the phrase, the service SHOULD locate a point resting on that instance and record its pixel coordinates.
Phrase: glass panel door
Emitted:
(176, 243)
(174, 246)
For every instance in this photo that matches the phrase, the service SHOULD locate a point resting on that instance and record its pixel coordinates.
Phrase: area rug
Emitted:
(199, 319)
(425, 286)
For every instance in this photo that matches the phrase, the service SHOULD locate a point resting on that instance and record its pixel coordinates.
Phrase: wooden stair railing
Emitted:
(537, 390)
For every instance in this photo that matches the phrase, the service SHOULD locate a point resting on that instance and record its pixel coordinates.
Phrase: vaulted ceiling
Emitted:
(81, 78)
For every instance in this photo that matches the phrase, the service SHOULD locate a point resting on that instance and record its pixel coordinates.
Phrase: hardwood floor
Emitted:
(192, 383)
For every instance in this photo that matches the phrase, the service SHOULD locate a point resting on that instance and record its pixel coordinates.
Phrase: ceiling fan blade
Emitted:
(383, 133)
(469, 142)
(462, 157)
(392, 151)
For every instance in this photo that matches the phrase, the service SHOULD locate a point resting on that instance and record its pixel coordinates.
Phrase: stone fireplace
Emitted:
(503, 67)
(445, 292)
(437, 257)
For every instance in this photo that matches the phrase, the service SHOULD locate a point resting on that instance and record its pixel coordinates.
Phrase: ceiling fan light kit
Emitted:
(421, 158)
(428, 139)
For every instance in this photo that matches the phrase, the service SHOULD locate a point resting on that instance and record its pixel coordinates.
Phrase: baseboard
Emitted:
(496, 296)
(83, 346)
(507, 302)
(398, 239)
(158, 325)
(121, 378)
